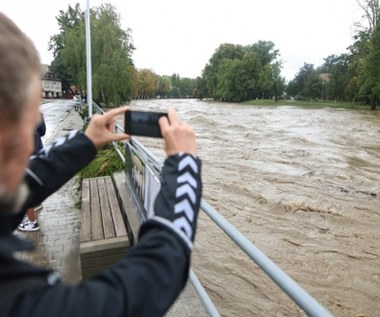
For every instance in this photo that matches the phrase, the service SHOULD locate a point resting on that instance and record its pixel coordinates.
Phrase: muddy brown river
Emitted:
(303, 185)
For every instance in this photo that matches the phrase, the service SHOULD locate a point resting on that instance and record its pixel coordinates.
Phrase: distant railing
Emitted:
(286, 283)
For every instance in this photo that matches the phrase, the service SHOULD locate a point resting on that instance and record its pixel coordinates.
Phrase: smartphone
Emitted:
(143, 123)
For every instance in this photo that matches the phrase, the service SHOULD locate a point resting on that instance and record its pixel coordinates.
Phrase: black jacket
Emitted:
(144, 283)
(39, 133)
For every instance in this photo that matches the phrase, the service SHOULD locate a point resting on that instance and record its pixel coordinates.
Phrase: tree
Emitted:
(146, 84)
(352, 76)
(304, 82)
(278, 82)
(66, 21)
(337, 67)
(225, 84)
(186, 86)
(371, 14)
(370, 74)
(365, 51)
(266, 51)
(210, 73)
(163, 86)
(312, 86)
(293, 88)
(112, 48)
(200, 88)
(237, 73)
(112, 67)
(249, 77)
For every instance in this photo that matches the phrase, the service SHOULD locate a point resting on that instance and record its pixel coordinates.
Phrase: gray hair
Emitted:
(19, 62)
(11, 203)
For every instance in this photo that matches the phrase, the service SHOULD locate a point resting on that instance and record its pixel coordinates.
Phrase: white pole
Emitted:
(88, 60)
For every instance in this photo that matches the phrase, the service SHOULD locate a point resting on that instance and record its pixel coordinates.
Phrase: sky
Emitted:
(173, 36)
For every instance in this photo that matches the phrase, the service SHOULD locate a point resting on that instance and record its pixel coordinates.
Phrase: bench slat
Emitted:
(85, 232)
(117, 217)
(108, 228)
(96, 221)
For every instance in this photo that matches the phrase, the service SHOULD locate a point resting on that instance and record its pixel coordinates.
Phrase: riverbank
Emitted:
(312, 104)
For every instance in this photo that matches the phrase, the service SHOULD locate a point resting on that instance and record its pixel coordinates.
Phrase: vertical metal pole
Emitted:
(88, 60)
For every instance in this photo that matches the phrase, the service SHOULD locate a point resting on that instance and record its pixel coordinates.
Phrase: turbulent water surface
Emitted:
(303, 185)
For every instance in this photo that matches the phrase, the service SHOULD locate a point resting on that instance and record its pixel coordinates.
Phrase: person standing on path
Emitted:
(30, 221)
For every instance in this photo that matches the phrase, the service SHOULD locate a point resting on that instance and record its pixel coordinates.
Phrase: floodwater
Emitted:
(303, 185)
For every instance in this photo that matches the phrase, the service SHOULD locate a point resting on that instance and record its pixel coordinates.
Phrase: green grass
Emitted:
(308, 104)
(106, 162)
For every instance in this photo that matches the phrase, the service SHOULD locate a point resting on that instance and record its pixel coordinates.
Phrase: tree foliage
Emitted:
(233, 73)
(66, 21)
(111, 49)
(353, 76)
(370, 74)
(238, 73)
(370, 16)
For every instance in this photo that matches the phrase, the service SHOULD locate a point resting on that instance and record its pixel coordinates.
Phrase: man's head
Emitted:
(20, 93)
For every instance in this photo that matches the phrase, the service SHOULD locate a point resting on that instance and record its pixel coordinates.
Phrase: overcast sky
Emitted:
(173, 36)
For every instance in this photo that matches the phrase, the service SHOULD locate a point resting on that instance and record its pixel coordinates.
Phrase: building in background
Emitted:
(51, 86)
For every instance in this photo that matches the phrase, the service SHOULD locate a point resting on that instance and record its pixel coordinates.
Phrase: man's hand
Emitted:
(178, 136)
(101, 128)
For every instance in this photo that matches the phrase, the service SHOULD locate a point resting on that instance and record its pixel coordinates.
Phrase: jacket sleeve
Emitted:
(145, 283)
(57, 163)
(41, 129)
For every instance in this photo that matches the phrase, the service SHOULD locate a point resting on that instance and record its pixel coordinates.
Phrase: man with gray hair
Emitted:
(148, 279)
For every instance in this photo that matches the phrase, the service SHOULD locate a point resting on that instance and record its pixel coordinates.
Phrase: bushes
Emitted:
(106, 162)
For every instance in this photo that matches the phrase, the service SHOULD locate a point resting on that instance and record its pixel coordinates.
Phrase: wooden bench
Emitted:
(103, 235)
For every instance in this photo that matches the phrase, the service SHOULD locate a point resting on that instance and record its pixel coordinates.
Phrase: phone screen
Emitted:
(143, 123)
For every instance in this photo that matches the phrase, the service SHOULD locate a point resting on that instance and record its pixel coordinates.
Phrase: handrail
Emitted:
(286, 283)
(209, 305)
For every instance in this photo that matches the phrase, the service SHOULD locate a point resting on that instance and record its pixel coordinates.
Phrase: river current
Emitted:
(303, 185)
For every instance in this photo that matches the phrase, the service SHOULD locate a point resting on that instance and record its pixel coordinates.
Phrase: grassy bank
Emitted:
(308, 104)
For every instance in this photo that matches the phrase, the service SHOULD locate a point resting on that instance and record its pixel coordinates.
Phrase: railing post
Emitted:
(88, 61)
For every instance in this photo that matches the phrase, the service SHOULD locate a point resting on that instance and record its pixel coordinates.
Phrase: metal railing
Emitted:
(303, 299)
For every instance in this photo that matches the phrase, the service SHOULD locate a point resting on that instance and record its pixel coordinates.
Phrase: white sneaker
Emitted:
(29, 226)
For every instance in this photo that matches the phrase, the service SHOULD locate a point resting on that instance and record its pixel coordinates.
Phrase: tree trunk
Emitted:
(373, 103)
